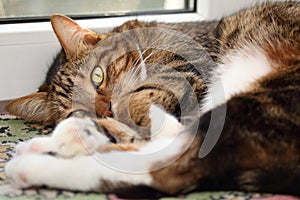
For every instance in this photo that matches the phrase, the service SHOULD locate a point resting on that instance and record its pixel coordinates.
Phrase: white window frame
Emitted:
(27, 50)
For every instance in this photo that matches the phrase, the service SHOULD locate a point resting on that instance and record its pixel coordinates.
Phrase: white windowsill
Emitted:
(100, 25)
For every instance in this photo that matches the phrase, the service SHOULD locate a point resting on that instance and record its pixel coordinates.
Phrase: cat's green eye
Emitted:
(97, 76)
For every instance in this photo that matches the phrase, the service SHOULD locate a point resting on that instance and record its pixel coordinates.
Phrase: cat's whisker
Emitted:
(140, 57)
(142, 53)
(134, 75)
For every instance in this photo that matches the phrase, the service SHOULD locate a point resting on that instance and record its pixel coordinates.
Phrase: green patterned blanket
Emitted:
(13, 130)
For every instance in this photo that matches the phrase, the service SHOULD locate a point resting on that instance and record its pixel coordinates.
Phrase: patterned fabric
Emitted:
(13, 130)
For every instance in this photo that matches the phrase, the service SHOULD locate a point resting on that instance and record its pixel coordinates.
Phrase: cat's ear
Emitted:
(162, 123)
(30, 107)
(73, 38)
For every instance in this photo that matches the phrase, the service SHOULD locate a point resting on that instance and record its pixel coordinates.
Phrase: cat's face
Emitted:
(84, 83)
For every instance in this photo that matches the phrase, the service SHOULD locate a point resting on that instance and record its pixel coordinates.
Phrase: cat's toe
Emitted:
(15, 173)
(27, 147)
(10, 191)
(21, 148)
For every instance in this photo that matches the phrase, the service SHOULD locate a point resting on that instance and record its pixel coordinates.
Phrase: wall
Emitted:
(215, 9)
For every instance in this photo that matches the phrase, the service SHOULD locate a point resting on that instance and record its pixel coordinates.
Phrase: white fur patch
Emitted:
(162, 123)
(236, 75)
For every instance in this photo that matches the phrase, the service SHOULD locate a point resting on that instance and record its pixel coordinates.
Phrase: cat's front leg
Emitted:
(40, 169)
(82, 173)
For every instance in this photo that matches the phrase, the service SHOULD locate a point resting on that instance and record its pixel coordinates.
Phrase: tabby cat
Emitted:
(223, 115)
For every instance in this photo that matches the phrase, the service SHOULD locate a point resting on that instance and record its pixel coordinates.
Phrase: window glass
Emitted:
(42, 9)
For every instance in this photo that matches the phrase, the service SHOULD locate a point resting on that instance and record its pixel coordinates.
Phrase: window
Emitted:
(29, 10)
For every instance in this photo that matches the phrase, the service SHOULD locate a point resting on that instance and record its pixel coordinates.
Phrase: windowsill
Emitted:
(99, 25)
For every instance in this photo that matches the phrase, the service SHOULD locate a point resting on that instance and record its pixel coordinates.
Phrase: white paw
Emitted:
(77, 136)
(35, 145)
(16, 173)
(31, 170)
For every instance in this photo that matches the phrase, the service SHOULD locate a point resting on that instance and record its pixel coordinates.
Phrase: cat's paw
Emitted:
(77, 136)
(36, 145)
(31, 170)
(15, 171)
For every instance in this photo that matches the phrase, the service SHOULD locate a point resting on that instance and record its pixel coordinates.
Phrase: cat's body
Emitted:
(245, 127)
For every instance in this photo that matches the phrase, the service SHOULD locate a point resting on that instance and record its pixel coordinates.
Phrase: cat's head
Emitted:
(81, 69)
(54, 103)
